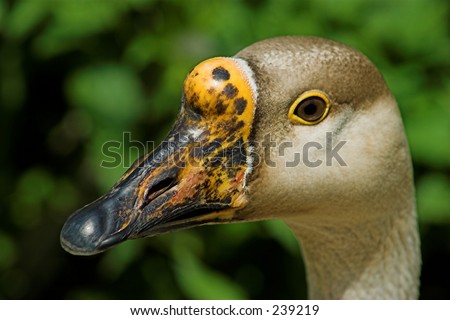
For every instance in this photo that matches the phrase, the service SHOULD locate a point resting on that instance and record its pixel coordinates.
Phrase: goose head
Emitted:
(298, 128)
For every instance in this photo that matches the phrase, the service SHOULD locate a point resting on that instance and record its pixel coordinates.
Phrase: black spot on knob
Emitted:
(230, 91)
(220, 74)
(240, 124)
(220, 107)
(240, 104)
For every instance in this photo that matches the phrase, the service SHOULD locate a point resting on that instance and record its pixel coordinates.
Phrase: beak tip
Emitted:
(82, 233)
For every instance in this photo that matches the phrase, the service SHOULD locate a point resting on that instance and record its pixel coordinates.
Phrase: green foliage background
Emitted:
(77, 73)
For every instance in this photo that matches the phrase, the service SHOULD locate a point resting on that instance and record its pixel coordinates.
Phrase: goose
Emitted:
(301, 129)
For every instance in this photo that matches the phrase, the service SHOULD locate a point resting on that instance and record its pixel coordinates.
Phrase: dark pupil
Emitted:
(310, 109)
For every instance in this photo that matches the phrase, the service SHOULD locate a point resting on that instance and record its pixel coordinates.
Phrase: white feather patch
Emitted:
(250, 79)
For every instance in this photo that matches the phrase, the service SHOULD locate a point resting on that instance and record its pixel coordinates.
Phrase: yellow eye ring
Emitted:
(309, 108)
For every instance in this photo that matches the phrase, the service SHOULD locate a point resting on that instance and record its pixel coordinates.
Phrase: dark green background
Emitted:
(76, 74)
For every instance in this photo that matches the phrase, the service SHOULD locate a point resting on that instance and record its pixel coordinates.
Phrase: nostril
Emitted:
(157, 189)
(161, 185)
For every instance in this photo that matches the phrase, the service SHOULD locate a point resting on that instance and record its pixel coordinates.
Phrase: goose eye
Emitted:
(310, 108)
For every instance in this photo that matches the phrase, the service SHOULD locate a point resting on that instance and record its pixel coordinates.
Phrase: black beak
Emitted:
(197, 176)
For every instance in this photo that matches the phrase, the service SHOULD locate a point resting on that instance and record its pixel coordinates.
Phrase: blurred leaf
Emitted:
(140, 3)
(116, 261)
(68, 196)
(72, 131)
(433, 199)
(397, 22)
(34, 188)
(87, 293)
(166, 99)
(200, 282)
(160, 285)
(107, 156)
(142, 50)
(110, 93)
(14, 282)
(344, 12)
(13, 88)
(280, 231)
(2, 14)
(195, 278)
(427, 125)
(86, 17)
(8, 251)
(185, 241)
(406, 81)
(24, 17)
(73, 20)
